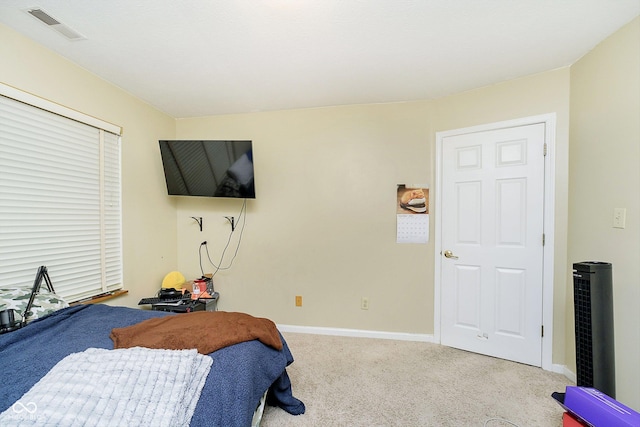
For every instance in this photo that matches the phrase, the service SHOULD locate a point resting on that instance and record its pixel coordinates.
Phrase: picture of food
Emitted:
(413, 200)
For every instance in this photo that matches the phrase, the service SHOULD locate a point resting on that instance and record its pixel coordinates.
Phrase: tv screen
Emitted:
(208, 168)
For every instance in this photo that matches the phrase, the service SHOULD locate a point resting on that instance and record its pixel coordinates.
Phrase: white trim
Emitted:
(549, 246)
(562, 369)
(549, 223)
(61, 110)
(356, 333)
(103, 227)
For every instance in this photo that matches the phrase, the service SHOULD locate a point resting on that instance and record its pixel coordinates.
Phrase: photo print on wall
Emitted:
(412, 212)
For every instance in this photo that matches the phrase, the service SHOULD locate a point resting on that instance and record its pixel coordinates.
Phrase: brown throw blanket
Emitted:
(206, 331)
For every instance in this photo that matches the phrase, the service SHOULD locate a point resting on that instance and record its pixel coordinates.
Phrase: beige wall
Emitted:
(149, 222)
(323, 223)
(605, 174)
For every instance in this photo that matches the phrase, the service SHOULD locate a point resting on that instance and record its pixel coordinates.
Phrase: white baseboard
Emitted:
(356, 333)
(562, 369)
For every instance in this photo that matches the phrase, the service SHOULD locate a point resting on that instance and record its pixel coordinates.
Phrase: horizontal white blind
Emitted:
(59, 202)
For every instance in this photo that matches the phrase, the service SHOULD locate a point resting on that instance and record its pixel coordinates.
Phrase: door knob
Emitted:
(449, 254)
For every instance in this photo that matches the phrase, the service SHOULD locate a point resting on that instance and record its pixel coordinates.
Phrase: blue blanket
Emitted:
(239, 376)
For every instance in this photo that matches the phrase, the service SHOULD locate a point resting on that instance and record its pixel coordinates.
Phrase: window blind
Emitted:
(60, 196)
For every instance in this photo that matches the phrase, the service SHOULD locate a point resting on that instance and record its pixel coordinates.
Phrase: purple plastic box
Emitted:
(598, 409)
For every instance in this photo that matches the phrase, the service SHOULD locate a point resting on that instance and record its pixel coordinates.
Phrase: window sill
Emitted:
(102, 297)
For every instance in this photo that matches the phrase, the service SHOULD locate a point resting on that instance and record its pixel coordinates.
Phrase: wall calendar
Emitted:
(412, 213)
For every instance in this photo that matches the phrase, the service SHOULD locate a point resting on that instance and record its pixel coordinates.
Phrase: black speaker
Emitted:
(8, 321)
(593, 307)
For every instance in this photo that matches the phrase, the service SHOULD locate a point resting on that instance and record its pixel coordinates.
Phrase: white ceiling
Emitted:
(193, 58)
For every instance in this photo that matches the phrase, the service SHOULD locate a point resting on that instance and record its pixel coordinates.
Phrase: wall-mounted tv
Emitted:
(208, 168)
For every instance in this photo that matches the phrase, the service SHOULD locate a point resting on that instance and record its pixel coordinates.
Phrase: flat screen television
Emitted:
(208, 168)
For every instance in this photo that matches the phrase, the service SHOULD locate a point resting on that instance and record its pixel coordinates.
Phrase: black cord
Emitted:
(219, 266)
(242, 211)
(242, 216)
(200, 256)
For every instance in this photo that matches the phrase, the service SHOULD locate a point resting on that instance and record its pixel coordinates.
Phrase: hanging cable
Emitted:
(200, 256)
(242, 216)
(242, 211)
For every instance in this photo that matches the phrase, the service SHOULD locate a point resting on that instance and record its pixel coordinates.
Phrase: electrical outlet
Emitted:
(619, 217)
(298, 300)
(364, 303)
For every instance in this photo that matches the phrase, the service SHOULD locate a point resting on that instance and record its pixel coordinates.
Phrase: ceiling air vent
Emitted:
(54, 24)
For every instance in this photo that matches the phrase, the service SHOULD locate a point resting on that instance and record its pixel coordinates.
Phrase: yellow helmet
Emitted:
(173, 280)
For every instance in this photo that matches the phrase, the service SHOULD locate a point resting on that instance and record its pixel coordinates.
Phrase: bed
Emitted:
(240, 378)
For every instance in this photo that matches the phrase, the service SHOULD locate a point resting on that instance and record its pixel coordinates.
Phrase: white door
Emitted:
(492, 242)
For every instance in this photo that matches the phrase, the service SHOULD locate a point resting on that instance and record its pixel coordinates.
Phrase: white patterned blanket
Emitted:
(125, 387)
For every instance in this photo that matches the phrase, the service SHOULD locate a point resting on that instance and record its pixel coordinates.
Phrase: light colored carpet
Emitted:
(373, 382)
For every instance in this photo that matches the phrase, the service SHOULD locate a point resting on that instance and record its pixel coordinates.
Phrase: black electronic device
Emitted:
(8, 321)
(208, 168)
(167, 296)
(156, 300)
(172, 293)
(182, 307)
(594, 327)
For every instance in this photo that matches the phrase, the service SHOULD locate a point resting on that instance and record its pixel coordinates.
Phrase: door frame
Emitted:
(549, 121)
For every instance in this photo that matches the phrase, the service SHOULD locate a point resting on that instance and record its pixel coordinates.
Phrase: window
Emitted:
(59, 197)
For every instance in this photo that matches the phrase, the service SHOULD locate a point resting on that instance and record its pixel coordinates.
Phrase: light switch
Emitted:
(619, 217)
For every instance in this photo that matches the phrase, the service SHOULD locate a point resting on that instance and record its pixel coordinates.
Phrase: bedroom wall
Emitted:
(605, 174)
(323, 224)
(149, 221)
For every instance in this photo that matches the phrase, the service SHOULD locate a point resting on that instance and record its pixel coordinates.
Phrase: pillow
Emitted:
(44, 303)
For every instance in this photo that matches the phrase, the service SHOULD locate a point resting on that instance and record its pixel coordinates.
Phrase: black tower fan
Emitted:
(593, 306)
